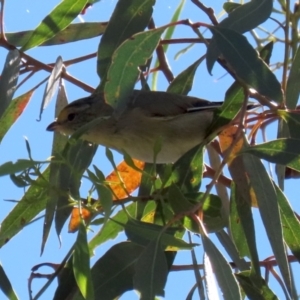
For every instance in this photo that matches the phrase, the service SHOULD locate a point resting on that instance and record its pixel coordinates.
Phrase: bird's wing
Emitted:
(166, 104)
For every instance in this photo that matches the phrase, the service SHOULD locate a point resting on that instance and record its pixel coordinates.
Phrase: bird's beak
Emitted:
(52, 127)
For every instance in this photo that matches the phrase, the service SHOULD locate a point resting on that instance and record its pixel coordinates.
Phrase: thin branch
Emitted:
(163, 64)
(208, 11)
(286, 46)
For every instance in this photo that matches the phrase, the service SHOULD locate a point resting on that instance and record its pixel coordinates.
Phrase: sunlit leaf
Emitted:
(58, 19)
(13, 112)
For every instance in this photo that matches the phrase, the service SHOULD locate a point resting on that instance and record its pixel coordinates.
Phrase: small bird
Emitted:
(179, 121)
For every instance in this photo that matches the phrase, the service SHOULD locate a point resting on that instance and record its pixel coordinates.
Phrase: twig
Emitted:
(163, 64)
(208, 10)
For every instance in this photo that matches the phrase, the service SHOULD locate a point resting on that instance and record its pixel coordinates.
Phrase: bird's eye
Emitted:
(71, 117)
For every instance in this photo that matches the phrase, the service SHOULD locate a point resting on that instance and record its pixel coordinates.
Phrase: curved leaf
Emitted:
(73, 33)
(13, 112)
(281, 151)
(243, 18)
(124, 69)
(152, 282)
(246, 63)
(268, 207)
(59, 18)
(128, 18)
(9, 79)
(222, 269)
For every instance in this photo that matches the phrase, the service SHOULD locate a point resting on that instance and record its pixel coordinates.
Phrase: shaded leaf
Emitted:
(235, 97)
(143, 233)
(6, 286)
(113, 273)
(269, 211)
(127, 19)
(152, 282)
(187, 171)
(111, 228)
(19, 166)
(81, 264)
(31, 204)
(59, 142)
(9, 79)
(243, 18)
(66, 282)
(78, 157)
(124, 66)
(251, 289)
(290, 223)
(246, 63)
(280, 151)
(242, 228)
(183, 82)
(293, 87)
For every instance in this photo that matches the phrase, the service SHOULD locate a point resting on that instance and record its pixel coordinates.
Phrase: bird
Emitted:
(179, 122)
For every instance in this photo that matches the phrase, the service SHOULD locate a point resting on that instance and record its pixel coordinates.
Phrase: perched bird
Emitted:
(179, 121)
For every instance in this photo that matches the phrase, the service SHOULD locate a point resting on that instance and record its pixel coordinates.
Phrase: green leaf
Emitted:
(143, 233)
(13, 111)
(31, 204)
(248, 16)
(66, 282)
(211, 209)
(242, 228)
(6, 286)
(9, 79)
(59, 143)
(290, 223)
(106, 199)
(19, 166)
(59, 18)
(127, 19)
(111, 228)
(81, 264)
(72, 33)
(77, 158)
(187, 171)
(293, 87)
(243, 18)
(246, 63)
(113, 273)
(124, 66)
(293, 122)
(152, 282)
(280, 151)
(178, 201)
(234, 97)
(268, 207)
(222, 270)
(252, 290)
(230, 6)
(183, 82)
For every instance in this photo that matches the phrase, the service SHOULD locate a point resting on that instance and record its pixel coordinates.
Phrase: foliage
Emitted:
(171, 203)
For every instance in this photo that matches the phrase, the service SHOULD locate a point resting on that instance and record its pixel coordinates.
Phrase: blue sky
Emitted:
(23, 251)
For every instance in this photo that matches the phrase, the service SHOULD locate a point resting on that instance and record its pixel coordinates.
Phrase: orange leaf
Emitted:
(76, 216)
(131, 178)
(13, 111)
